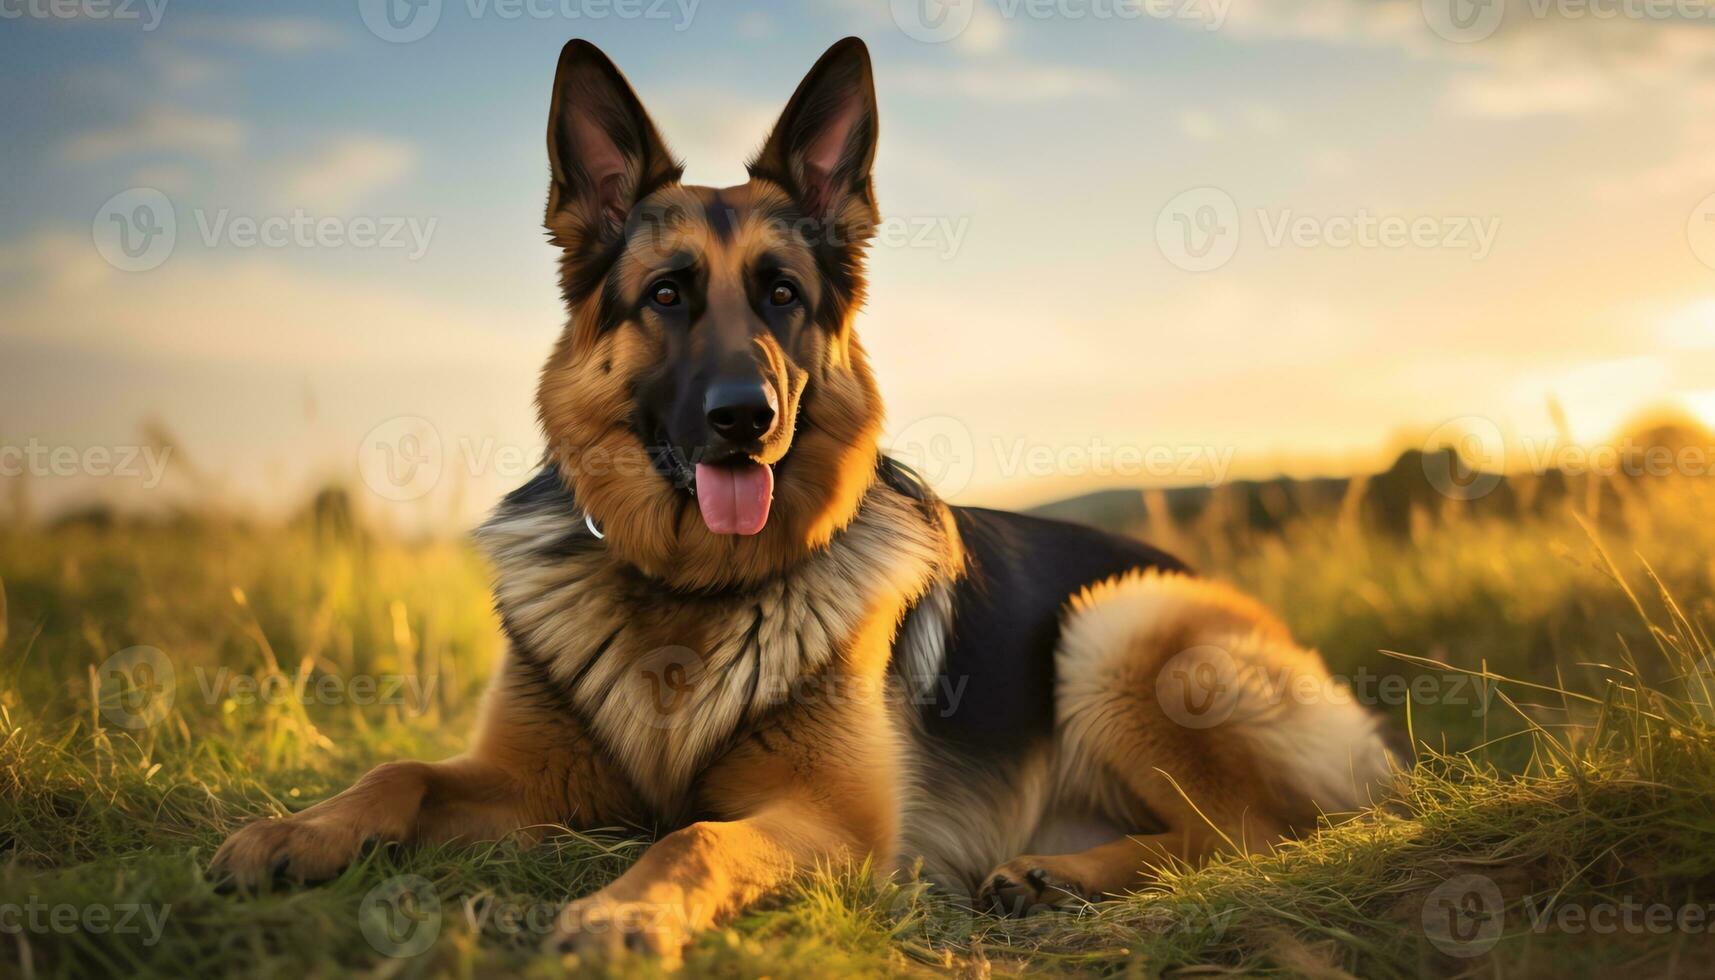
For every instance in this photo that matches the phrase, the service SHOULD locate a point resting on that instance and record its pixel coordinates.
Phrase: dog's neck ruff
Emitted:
(665, 679)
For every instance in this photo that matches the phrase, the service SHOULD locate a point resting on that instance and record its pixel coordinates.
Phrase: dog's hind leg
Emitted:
(530, 767)
(1180, 698)
(1031, 882)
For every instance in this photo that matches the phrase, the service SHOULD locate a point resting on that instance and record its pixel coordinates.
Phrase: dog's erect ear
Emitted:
(603, 149)
(823, 146)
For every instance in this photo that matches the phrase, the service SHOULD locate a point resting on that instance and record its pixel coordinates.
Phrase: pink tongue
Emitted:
(735, 499)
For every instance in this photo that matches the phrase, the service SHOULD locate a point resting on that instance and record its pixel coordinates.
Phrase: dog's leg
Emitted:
(696, 877)
(531, 766)
(465, 798)
(817, 787)
(1181, 698)
(1205, 813)
(1029, 882)
(1032, 882)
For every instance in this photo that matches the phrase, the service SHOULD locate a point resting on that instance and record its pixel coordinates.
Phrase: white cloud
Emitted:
(1008, 81)
(1510, 92)
(1199, 125)
(1264, 119)
(178, 68)
(714, 132)
(168, 178)
(1330, 161)
(249, 310)
(1538, 60)
(1341, 21)
(54, 264)
(985, 34)
(161, 129)
(1690, 328)
(1686, 174)
(343, 171)
(279, 35)
(755, 25)
(1215, 122)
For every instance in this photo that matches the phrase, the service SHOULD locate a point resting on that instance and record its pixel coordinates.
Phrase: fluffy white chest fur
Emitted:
(666, 680)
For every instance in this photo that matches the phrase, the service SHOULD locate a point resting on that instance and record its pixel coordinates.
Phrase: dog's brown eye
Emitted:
(664, 294)
(783, 294)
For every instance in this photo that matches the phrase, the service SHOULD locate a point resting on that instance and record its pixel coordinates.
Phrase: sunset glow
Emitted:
(1415, 230)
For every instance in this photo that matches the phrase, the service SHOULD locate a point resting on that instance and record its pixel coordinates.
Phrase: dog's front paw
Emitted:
(292, 847)
(600, 929)
(1030, 884)
(319, 842)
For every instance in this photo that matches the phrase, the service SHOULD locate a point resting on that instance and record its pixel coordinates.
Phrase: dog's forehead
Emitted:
(742, 219)
(726, 208)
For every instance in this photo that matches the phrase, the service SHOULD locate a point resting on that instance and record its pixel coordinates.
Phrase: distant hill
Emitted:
(1418, 483)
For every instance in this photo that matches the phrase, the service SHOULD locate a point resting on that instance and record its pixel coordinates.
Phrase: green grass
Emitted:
(1575, 774)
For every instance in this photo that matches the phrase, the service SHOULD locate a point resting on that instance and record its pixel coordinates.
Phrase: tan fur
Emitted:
(585, 405)
(527, 769)
(607, 641)
(1184, 699)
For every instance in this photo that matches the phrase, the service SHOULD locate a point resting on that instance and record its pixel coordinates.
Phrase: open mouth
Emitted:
(734, 494)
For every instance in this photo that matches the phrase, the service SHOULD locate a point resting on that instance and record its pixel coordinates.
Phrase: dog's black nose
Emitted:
(739, 411)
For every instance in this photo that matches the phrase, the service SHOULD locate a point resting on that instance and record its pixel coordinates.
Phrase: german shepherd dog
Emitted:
(734, 620)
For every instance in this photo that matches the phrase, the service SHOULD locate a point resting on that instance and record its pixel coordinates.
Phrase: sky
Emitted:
(1126, 242)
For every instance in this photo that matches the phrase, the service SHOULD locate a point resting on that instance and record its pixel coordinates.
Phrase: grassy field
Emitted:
(1559, 817)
